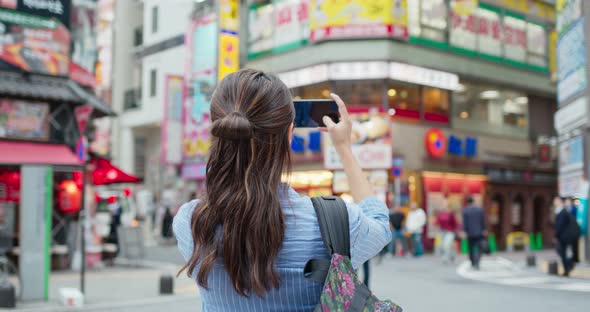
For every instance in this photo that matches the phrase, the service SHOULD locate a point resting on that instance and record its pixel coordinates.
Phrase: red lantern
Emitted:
(112, 199)
(69, 197)
(77, 176)
(97, 198)
(127, 192)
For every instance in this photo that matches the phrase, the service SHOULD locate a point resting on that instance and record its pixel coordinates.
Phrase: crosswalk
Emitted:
(505, 272)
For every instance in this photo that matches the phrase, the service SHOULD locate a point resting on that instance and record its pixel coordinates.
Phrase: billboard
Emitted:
(571, 62)
(172, 125)
(341, 19)
(84, 45)
(24, 120)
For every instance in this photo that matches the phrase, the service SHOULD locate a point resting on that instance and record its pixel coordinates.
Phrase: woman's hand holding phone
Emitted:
(341, 134)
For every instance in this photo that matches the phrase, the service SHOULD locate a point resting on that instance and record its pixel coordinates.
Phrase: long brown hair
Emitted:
(252, 113)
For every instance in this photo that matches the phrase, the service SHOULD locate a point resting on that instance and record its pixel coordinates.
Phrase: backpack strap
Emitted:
(332, 215)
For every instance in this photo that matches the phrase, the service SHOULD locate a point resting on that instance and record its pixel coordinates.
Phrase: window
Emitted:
(154, 19)
(491, 110)
(153, 84)
(360, 93)
(405, 99)
(436, 105)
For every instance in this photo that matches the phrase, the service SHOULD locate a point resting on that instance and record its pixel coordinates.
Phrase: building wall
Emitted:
(172, 17)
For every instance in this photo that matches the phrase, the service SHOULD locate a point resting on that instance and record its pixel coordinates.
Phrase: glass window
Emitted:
(405, 99)
(154, 19)
(436, 104)
(360, 93)
(491, 110)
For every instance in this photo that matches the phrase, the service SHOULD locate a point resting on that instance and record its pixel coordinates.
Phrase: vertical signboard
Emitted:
(172, 123)
(84, 42)
(571, 62)
(229, 42)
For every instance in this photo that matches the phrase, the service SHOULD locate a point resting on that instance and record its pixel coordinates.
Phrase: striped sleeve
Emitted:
(182, 229)
(369, 229)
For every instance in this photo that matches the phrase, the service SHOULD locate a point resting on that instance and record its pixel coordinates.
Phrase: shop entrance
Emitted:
(517, 215)
(495, 211)
(539, 214)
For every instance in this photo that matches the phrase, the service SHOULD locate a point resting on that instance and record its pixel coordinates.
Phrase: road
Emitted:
(415, 284)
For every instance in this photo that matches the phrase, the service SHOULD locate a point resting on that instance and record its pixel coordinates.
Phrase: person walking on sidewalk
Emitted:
(567, 233)
(448, 225)
(396, 219)
(248, 239)
(415, 226)
(474, 226)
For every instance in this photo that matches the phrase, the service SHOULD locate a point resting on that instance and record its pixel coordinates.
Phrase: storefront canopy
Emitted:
(17, 153)
(105, 173)
(49, 89)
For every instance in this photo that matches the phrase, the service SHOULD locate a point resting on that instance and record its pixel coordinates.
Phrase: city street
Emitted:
(416, 284)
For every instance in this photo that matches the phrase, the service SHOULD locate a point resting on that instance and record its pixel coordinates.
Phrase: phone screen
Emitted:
(309, 113)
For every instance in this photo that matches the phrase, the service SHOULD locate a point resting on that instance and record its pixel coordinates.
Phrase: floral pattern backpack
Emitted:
(343, 291)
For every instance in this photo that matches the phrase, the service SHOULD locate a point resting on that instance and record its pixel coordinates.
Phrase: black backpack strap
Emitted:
(332, 216)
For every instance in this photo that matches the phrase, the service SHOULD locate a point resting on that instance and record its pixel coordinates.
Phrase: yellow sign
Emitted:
(229, 54)
(553, 54)
(358, 18)
(464, 7)
(229, 15)
(521, 6)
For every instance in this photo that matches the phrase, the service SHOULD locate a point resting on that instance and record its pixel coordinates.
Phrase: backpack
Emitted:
(343, 291)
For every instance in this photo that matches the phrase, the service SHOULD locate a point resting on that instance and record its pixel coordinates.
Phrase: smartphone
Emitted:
(309, 113)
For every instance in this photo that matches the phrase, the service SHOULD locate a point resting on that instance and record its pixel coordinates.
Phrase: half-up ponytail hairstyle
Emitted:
(240, 220)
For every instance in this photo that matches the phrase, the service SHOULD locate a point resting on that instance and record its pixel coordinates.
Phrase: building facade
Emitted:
(148, 62)
(466, 86)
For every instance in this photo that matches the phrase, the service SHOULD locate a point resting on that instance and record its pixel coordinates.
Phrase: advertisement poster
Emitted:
(260, 30)
(24, 120)
(463, 32)
(339, 19)
(568, 12)
(84, 42)
(172, 123)
(371, 137)
(290, 24)
(34, 43)
(82, 114)
(571, 155)
(229, 11)
(571, 62)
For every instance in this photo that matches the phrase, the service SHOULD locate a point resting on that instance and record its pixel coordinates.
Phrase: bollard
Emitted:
(7, 295)
(531, 260)
(166, 284)
(553, 267)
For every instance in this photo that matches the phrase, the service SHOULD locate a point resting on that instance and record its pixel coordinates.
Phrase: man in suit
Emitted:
(567, 233)
(474, 228)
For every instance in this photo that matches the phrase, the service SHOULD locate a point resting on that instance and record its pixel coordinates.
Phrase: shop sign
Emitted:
(372, 145)
(24, 120)
(515, 39)
(499, 175)
(377, 179)
(229, 11)
(357, 70)
(53, 9)
(290, 24)
(423, 76)
(229, 55)
(171, 144)
(553, 54)
(573, 184)
(33, 43)
(428, 19)
(343, 19)
(82, 114)
(305, 76)
(571, 155)
(536, 44)
(571, 116)
(437, 144)
(463, 32)
(568, 12)
(489, 31)
(84, 42)
(571, 62)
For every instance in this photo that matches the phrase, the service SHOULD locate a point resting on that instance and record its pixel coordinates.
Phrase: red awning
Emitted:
(106, 173)
(17, 153)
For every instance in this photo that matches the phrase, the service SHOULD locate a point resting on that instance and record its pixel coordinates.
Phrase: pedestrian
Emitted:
(415, 226)
(474, 227)
(574, 212)
(567, 233)
(396, 219)
(167, 224)
(248, 238)
(448, 225)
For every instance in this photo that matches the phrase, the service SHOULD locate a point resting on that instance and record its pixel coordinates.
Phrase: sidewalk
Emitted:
(116, 288)
(543, 257)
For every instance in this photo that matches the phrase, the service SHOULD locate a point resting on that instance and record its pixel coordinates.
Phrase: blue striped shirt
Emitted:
(369, 233)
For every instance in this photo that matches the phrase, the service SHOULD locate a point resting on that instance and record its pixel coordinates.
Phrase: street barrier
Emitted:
(531, 260)
(166, 284)
(553, 267)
